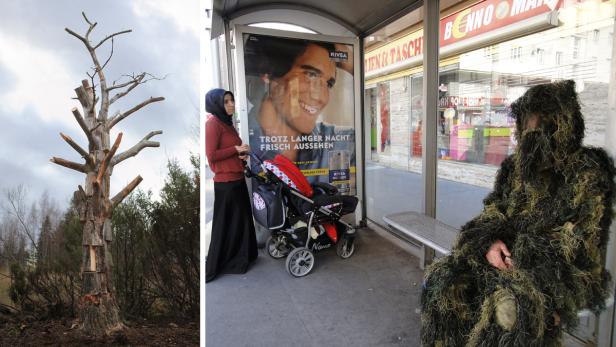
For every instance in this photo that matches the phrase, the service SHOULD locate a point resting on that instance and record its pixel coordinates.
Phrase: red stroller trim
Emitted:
(330, 229)
(284, 169)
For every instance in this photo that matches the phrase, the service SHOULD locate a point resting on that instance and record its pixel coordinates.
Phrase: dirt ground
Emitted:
(26, 332)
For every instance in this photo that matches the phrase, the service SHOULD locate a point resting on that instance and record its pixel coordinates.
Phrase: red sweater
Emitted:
(220, 142)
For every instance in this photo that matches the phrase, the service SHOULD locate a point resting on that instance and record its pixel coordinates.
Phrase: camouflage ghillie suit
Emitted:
(552, 207)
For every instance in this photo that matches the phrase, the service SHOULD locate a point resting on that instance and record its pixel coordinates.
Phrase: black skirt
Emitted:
(233, 244)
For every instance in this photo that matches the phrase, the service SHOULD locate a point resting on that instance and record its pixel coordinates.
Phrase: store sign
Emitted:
(473, 21)
(402, 49)
(470, 101)
(490, 15)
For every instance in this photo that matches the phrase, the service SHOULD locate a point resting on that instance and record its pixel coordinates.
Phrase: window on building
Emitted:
(516, 53)
(576, 47)
(539, 55)
(491, 53)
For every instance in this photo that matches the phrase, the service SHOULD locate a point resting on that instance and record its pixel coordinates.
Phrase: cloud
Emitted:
(40, 65)
(37, 74)
(26, 159)
(185, 16)
(7, 80)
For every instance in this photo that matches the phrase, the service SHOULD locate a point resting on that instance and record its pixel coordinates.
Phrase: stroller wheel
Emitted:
(300, 262)
(346, 247)
(276, 248)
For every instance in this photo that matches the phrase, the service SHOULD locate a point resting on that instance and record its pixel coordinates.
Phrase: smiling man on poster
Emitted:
(289, 84)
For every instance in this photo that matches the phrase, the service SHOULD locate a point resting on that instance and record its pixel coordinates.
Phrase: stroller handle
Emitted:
(247, 170)
(255, 158)
(265, 176)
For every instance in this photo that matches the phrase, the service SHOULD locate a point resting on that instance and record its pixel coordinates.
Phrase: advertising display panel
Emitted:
(300, 104)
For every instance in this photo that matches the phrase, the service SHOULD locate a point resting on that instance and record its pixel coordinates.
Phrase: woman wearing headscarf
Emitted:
(233, 244)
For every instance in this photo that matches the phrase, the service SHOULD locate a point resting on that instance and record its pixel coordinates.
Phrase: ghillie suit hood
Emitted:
(560, 128)
(552, 206)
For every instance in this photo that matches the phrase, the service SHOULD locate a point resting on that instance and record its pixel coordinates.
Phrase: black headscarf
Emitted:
(215, 104)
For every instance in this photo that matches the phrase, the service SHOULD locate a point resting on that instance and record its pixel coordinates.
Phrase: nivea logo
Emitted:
(339, 55)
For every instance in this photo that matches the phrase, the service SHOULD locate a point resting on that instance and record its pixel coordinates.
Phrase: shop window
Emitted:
(371, 110)
(475, 131)
(384, 118)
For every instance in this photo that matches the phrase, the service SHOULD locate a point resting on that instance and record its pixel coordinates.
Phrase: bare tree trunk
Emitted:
(97, 308)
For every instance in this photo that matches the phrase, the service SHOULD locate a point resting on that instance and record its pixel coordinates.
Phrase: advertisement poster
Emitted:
(301, 105)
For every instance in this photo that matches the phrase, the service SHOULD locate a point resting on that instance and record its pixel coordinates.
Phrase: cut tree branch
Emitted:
(93, 98)
(133, 84)
(78, 148)
(134, 77)
(133, 151)
(81, 38)
(121, 116)
(84, 99)
(102, 115)
(124, 192)
(90, 31)
(87, 20)
(110, 55)
(108, 156)
(111, 36)
(69, 164)
(84, 127)
(122, 85)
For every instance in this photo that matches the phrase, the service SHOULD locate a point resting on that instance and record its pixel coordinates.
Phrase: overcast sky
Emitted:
(41, 65)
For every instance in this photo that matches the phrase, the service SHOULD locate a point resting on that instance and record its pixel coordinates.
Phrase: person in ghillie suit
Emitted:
(523, 268)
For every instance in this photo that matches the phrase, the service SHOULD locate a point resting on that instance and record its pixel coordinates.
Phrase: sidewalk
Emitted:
(371, 299)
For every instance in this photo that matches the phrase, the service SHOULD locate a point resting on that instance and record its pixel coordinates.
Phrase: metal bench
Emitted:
(431, 233)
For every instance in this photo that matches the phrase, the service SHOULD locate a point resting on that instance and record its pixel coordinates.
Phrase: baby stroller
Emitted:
(303, 218)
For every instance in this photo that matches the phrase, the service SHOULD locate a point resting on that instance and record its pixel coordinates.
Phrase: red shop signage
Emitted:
(473, 21)
(489, 15)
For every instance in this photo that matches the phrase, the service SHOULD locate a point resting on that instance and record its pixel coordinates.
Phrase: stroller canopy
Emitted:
(287, 172)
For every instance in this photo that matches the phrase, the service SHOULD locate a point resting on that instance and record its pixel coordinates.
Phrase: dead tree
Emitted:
(98, 310)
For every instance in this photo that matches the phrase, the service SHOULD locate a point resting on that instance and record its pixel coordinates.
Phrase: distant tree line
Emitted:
(155, 251)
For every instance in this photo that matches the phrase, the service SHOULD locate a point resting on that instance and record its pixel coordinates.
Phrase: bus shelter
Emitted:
(250, 56)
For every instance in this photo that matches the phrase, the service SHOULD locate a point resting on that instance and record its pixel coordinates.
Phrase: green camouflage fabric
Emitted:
(552, 206)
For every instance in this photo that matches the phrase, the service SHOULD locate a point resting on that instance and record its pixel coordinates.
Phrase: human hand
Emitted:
(243, 157)
(556, 317)
(242, 149)
(495, 256)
